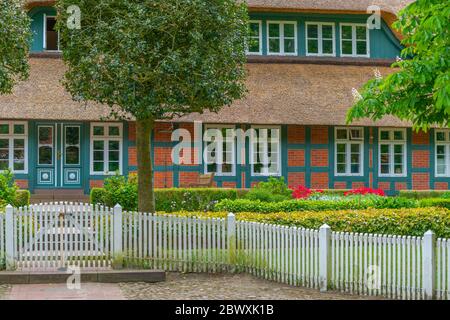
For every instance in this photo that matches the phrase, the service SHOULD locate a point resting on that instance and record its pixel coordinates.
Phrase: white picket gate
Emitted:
(55, 235)
(60, 234)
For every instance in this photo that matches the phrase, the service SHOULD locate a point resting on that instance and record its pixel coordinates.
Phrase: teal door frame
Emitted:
(59, 173)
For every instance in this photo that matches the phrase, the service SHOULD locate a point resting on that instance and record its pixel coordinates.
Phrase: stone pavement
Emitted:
(224, 287)
(88, 291)
(178, 286)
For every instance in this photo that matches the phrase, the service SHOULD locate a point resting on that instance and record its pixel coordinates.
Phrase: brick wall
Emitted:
(420, 181)
(319, 135)
(163, 179)
(319, 158)
(296, 134)
(421, 159)
(296, 158)
(319, 180)
(22, 183)
(296, 178)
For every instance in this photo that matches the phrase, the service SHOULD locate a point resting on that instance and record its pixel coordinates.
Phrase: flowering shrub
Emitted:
(302, 192)
(364, 191)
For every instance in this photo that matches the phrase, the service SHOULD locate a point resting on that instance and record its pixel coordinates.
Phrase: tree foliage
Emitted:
(419, 90)
(154, 60)
(15, 38)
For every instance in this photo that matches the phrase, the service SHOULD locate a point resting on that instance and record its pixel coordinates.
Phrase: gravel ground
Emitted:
(197, 286)
(4, 290)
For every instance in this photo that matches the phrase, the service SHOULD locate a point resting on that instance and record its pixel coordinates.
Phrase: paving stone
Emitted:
(180, 286)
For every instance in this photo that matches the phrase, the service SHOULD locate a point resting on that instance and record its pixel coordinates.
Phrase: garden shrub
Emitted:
(123, 191)
(22, 198)
(435, 202)
(272, 190)
(8, 188)
(421, 194)
(407, 222)
(355, 202)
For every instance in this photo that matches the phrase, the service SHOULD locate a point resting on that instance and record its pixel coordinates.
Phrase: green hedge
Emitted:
(173, 199)
(421, 194)
(408, 222)
(22, 198)
(245, 205)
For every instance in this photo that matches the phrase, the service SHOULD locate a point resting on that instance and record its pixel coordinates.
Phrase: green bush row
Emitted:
(246, 205)
(405, 222)
(168, 200)
(422, 194)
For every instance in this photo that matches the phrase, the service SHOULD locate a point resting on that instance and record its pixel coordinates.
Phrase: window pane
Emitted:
(440, 150)
(312, 31)
(340, 157)
(384, 148)
(114, 131)
(253, 45)
(385, 169)
(354, 168)
(274, 45)
(327, 32)
(341, 147)
(289, 45)
(99, 145)
(254, 29)
(113, 145)
(46, 135)
(384, 158)
(347, 47)
(398, 135)
(274, 30)
(341, 134)
(212, 167)
(19, 143)
(72, 155)
(356, 133)
(440, 136)
(398, 148)
(289, 30)
(19, 129)
(4, 154)
(346, 32)
(361, 47)
(398, 158)
(98, 156)
(384, 135)
(113, 166)
(113, 156)
(361, 33)
(4, 128)
(327, 46)
(19, 165)
(398, 169)
(313, 46)
(227, 168)
(3, 164)
(340, 168)
(45, 155)
(98, 166)
(4, 143)
(355, 148)
(72, 135)
(99, 131)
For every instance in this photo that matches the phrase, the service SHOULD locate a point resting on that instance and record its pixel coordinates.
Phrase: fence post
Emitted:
(231, 240)
(324, 257)
(429, 265)
(118, 252)
(9, 237)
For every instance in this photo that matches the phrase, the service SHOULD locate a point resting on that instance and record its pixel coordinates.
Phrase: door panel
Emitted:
(59, 155)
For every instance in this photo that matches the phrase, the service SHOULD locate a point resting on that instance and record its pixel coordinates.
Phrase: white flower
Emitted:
(377, 74)
(398, 59)
(356, 95)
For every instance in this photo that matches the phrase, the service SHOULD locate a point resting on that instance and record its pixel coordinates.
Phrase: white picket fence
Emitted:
(54, 235)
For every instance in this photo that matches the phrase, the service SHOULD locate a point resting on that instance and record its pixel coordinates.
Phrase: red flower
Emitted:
(364, 191)
(302, 192)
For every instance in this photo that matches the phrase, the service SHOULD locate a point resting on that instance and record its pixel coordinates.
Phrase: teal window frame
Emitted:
(11, 137)
(260, 38)
(106, 138)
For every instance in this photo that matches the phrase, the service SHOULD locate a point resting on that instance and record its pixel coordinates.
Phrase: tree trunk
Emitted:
(146, 196)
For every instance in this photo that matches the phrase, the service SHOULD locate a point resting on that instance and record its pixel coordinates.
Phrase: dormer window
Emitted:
(51, 35)
(282, 37)
(354, 40)
(320, 39)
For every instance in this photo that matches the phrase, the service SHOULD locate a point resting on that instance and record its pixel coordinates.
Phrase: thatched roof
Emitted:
(277, 94)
